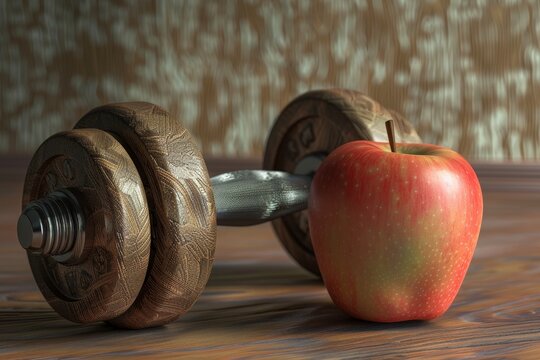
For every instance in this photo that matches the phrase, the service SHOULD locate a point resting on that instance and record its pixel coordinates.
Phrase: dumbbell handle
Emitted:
(52, 225)
(249, 197)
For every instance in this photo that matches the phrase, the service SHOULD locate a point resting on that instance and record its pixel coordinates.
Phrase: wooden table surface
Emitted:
(259, 303)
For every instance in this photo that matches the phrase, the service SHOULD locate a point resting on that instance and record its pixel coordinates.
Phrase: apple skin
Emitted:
(394, 233)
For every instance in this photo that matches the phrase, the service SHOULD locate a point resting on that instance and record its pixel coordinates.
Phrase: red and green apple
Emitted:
(394, 232)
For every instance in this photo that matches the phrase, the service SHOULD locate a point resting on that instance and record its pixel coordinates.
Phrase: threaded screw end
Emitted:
(51, 225)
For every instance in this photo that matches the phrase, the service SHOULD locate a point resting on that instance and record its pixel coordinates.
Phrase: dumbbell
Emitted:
(119, 214)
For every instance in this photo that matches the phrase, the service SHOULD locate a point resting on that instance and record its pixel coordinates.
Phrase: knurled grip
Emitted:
(249, 197)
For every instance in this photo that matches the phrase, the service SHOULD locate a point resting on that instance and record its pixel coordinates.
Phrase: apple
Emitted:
(394, 232)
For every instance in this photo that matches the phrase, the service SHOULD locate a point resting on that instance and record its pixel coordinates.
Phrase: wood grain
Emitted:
(316, 123)
(98, 171)
(260, 303)
(182, 209)
(465, 73)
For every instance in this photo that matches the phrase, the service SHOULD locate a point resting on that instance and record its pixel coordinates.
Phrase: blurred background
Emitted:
(465, 73)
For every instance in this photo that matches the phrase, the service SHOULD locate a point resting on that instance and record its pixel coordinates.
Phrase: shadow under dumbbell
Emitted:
(279, 316)
(256, 274)
(272, 298)
(221, 324)
(243, 303)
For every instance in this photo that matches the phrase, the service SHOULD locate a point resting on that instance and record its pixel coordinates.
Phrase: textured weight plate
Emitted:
(106, 279)
(316, 123)
(182, 210)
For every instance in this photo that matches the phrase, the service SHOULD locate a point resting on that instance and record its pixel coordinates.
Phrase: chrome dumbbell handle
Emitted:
(250, 197)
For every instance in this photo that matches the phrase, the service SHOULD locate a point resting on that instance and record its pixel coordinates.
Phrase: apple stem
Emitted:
(390, 132)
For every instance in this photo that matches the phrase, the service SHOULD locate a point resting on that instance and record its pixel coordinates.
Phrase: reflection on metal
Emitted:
(250, 197)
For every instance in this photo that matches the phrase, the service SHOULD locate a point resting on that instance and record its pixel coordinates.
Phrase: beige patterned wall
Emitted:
(466, 73)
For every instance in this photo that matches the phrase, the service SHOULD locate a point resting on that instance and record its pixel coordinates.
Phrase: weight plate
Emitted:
(105, 280)
(182, 210)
